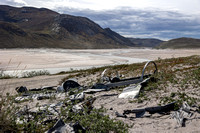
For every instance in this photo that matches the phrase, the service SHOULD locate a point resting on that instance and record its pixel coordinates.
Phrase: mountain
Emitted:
(146, 42)
(29, 27)
(181, 43)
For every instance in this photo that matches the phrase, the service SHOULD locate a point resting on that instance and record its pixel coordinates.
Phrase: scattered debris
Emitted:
(77, 97)
(59, 127)
(120, 115)
(108, 79)
(103, 77)
(48, 88)
(78, 128)
(77, 108)
(70, 83)
(21, 89)
(97, 88)
(134, 80)
(36, 89)
(39, 96)
(152, 110)
(184, 113)
(22, 98)
(131, 91)
(43, 88)
(60, 89)
(42, 97)
(85, 104)
(74, 102)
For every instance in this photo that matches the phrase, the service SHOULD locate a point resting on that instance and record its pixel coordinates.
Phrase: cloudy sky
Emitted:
(163, 19)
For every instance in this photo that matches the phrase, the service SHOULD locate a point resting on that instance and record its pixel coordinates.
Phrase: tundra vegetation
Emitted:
(177, 79)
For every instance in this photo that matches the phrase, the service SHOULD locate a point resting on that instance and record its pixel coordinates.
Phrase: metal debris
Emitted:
(70, 83)
(79, 97)
(152, 110)
(134, 80)
(59, 127)
(117, 82)
(131, 91)
(120, 115)
(184, 113)
(97, 88)
(21, 89)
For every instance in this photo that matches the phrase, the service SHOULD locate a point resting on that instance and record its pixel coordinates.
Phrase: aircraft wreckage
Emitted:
(132, 87)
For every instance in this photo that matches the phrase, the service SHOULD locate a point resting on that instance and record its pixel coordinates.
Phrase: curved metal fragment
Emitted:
(146, 67)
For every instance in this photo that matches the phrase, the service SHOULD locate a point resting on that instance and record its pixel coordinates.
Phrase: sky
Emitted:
(162, 19)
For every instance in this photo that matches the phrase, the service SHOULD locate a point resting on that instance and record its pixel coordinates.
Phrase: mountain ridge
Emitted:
(45, 28)
(183, 42)
(146, 42)
(30, 27)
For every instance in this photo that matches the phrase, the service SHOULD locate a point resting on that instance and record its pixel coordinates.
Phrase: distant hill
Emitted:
(146, 42)
(181, 43)
(29, 27)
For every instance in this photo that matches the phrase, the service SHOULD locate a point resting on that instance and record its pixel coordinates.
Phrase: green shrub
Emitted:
(8, 114)
(95, 121)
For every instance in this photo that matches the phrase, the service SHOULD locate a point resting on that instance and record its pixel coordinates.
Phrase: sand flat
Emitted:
(56, 60)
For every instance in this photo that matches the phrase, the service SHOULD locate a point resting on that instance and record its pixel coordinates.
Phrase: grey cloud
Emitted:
(11, 2)
(127, 21)
(144, 23)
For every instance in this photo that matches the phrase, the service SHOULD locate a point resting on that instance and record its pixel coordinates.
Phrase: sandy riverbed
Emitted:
(56, 60)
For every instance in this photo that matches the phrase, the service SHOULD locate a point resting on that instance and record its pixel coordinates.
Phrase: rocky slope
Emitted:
(181, 43)
(29, 27)
(146, 42)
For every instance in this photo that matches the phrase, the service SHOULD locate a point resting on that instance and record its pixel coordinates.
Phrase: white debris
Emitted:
(130, 91)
